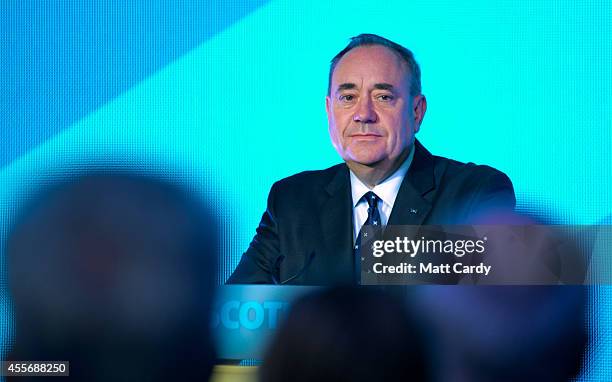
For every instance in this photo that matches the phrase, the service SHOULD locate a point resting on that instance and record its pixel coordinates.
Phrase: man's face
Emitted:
(372, 116)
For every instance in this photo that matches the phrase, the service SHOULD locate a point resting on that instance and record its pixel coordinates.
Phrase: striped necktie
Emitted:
(373, 220)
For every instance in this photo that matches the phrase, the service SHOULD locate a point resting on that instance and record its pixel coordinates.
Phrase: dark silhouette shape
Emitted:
(115, 274)
(505, 333)
(347, 334)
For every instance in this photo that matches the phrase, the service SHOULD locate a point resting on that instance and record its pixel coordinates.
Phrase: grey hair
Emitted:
(366, 39)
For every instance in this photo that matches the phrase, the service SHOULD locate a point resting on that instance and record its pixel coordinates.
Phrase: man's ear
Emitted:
(328, 107)
(419, 105)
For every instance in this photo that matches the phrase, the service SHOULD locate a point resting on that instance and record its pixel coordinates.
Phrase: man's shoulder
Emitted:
(467, 191)
(304, 193)
(450, 169)
(306, 181)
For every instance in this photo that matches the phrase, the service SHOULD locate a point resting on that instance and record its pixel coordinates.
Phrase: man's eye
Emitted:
(346, 97)
(385, 97)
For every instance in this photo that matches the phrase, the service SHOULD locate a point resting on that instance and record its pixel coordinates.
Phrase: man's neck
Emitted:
(372, 175)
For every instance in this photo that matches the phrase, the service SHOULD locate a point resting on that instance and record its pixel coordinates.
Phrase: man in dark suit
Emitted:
(375, 107)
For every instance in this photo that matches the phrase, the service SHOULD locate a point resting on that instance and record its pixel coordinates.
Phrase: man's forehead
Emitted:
(375, 64)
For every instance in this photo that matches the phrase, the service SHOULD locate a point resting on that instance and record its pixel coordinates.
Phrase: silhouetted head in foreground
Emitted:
(347, 334)
(115, 274)
(505, 333)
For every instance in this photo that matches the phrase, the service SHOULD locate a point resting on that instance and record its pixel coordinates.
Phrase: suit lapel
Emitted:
(336, 214)
(411, 206)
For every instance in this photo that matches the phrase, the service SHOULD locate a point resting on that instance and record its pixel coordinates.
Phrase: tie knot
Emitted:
(372, 199)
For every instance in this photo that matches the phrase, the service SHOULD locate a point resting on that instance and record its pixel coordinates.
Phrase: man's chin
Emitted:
(365, 162)
(366, 157)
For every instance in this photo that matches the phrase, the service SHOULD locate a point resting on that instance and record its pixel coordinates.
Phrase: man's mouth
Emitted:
(365, 136)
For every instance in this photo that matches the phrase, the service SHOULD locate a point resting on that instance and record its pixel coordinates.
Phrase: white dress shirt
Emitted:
(386, 192)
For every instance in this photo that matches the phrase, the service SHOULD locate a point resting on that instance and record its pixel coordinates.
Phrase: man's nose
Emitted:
(365, 112)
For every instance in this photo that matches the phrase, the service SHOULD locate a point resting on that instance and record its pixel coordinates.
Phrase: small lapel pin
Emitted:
(413, 211)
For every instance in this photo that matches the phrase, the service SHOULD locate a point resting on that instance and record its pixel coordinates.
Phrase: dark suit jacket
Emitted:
(306, 234)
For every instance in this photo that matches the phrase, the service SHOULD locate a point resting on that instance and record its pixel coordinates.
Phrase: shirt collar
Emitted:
(388, 189)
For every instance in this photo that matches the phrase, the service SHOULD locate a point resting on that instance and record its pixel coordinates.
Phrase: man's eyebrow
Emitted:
(383, 86)
(350, 85)
(346, 86)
